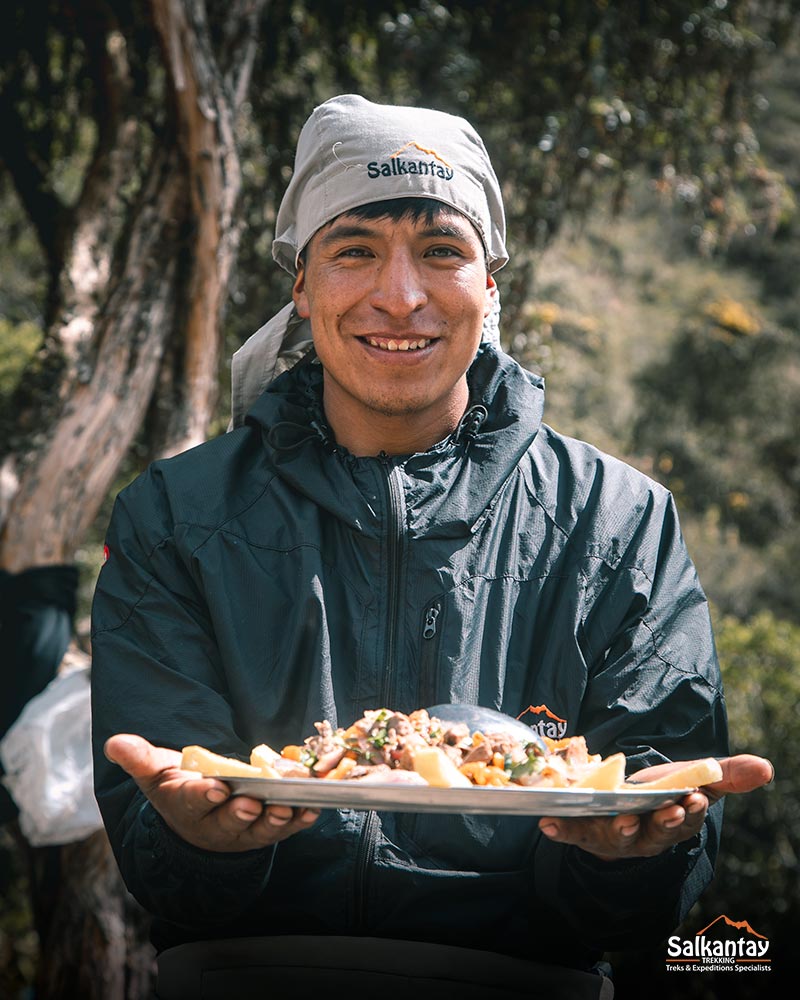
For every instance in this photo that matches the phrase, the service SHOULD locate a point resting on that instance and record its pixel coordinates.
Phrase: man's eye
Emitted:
(354, 252)
(443, 252)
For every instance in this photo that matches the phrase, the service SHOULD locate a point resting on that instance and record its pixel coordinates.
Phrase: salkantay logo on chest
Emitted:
(552, 725)
(398, 164)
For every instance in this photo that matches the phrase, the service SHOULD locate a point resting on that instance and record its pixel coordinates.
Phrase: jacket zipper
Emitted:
(429, 655)
(367, 841)
(395, 546)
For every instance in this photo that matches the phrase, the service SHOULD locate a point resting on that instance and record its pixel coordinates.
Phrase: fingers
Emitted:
(629, 836)
(283, 816)
(605, 837)
(202, 810)
(252, 824)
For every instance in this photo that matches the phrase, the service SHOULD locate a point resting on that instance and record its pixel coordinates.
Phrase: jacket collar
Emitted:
(447, 489)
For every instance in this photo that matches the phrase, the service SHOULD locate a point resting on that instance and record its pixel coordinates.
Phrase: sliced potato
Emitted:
(264, 757)
(214, 765)
(262, 754)
(437, 769)
(695, 774)
(606, 776)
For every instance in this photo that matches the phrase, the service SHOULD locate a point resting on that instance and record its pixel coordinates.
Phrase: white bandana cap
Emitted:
(352, 152)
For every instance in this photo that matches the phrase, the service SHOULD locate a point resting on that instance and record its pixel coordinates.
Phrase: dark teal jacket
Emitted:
(267, 580)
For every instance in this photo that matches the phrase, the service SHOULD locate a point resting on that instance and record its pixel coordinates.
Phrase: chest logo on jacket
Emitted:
(549, 724)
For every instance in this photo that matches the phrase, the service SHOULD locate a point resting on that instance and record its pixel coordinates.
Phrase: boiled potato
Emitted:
(437, 769)
(214, 765)
(695, 774)
(264, 757)
(606, 776)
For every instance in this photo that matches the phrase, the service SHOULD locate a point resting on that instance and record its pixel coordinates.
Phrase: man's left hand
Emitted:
(643, 836)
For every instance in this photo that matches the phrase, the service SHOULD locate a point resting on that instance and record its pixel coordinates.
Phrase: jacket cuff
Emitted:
(187, 859)
(679, 856)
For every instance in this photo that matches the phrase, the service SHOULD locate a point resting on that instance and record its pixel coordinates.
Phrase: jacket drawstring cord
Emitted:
(315, 428)
(470, 423)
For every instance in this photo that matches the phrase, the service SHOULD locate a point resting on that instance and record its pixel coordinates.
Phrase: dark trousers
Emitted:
(306, 967)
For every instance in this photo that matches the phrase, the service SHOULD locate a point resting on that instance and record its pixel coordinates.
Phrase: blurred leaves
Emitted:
(569, 95)
(723, 408)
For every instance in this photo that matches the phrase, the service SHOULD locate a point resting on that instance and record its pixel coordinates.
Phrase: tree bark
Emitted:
(138, 284)
(205, 110)
(94, 938)
(106, 344)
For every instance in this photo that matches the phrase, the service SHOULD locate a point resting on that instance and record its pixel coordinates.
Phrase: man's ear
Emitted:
(299, 292)
(491, 294)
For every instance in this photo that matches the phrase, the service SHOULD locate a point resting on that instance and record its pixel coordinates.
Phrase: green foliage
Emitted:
(569, 97)
(722, 419)
(18, 345)
(19, 945)
(723, 407)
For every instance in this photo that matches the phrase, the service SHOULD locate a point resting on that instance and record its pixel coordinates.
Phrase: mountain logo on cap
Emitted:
(403, 162)
(422, 149)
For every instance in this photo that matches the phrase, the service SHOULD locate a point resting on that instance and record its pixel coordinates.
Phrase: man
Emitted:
(284, 574)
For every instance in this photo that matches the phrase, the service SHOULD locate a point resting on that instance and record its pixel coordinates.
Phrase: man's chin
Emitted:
(405, 409)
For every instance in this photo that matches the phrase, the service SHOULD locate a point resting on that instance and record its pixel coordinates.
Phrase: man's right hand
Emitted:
(202, 810)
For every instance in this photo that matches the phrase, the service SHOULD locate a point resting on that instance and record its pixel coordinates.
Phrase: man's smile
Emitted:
(397, 343)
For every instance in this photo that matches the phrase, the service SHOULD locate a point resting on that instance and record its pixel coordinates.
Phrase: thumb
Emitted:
(139, 757)
(743, 773)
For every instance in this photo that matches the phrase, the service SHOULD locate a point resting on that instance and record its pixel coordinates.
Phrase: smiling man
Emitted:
(389, 523)
(396, 306)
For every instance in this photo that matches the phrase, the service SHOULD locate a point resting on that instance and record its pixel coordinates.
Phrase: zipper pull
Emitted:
(430, 621)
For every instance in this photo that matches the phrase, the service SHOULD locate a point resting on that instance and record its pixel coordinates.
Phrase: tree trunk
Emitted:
(135, 281)
(94, 936)
(105, 345)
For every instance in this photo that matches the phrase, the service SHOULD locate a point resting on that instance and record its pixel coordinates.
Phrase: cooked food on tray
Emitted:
(389, 747)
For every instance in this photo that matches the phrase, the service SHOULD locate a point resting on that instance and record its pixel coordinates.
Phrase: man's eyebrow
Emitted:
(345, 232)
(348, 231)
(446, 230)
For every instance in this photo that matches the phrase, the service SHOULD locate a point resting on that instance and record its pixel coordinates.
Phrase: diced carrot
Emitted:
(496, 776)
(344, 767)
(475, 771)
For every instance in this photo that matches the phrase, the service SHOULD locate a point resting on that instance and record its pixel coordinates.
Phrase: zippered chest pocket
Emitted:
(429, 643)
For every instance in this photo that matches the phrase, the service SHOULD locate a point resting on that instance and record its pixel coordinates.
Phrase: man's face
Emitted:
(396, 310)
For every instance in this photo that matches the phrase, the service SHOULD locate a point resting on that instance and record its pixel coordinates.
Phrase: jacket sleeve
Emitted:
(654, 692)
(156, 673)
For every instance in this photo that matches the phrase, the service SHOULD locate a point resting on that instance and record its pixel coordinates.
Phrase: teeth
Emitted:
(398, 345)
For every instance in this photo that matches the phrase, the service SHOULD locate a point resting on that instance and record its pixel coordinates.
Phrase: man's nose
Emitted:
(399, 287)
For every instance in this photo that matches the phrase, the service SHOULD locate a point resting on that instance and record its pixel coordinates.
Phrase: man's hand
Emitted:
(202, 810)
(649, 834)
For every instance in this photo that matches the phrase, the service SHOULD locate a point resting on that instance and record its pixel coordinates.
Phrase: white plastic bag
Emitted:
(47, 758)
